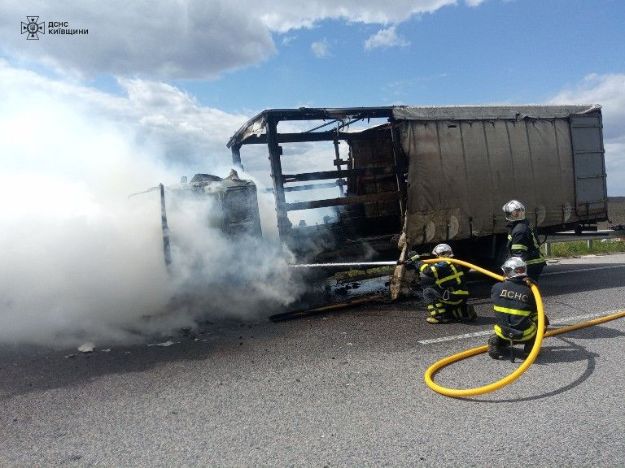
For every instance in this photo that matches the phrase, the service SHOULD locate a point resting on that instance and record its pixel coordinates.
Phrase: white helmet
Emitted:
(443, 250)
(514, 267)
(514, 210)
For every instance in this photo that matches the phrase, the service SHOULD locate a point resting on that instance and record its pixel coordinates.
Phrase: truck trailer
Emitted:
(416, 176)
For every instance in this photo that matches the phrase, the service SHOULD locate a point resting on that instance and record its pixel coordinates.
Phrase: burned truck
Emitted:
(410, 177)
(233, 202)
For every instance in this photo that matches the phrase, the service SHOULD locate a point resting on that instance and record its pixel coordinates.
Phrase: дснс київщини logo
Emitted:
(55, 28)
(33, 28)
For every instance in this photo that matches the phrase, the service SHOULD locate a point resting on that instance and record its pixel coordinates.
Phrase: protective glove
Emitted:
(411, 258)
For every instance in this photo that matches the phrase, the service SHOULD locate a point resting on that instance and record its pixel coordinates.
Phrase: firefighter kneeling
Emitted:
(445, 291)
(515, 311)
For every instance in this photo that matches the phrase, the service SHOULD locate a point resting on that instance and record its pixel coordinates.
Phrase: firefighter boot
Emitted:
(527, 347)
(495, 348)
(440, 318)
(468, 313)
(438, 314)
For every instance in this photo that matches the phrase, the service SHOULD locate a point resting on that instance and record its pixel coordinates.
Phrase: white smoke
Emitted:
(80, 260)
(224, 276)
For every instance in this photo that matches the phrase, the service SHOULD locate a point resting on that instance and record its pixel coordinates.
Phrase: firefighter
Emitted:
(514, 306)
(522, 242)
(445, 291)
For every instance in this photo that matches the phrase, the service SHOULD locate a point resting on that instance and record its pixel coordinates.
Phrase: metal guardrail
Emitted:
(590, 237)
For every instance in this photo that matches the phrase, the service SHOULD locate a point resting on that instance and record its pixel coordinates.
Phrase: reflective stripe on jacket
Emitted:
(447, 277)
(522, 243)
(515, 310)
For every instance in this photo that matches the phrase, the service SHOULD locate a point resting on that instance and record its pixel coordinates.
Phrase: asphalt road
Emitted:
(338, 389)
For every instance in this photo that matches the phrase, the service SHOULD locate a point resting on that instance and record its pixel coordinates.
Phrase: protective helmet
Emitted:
(514, 210)
(443, 250)
(514, 267)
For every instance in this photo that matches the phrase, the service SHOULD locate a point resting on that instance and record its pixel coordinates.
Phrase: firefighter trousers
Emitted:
(444, 307)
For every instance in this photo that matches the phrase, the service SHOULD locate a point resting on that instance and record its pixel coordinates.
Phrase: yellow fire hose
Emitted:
(466, 392)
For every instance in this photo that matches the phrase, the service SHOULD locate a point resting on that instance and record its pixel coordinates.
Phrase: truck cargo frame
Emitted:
(436, 174)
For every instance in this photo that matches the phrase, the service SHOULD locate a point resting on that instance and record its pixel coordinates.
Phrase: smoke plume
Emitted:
(80, 260)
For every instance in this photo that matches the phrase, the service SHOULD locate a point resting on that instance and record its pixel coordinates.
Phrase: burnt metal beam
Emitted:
(299, 188)
(236, 157)
(305, 113)
(362, 171)
(337, 163)
(399, 158)
(306, 137)
(327, 113)
(325, 124)
(165, 228)
(354, 200)
(284, 225)
(338, 127)
(295, 314)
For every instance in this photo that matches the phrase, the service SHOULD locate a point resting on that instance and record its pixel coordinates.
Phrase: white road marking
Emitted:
(581, 270)
(563, 321)
(454, 337)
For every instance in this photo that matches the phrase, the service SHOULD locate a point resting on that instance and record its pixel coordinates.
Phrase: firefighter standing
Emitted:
(444, 288)
(516, 318)
(522, 242)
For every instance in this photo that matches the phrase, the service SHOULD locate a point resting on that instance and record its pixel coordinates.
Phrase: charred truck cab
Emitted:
(236, 199)
(234, 205)
(424, 175)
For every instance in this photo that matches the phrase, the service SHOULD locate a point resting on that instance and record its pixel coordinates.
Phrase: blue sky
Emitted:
(179, 77)
(520, 51)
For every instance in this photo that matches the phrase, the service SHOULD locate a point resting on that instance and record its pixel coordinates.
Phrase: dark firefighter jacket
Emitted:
(515, 310)
(522, 243)
(445, 276)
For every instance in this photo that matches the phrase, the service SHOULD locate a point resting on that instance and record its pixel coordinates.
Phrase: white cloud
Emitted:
(474, 3)
(182, 39)
(320, 49)
(161, 115)
(284, 16)
(191, 133)
(609, 91)
(287, 40)
(385, 38)
(168, 39)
